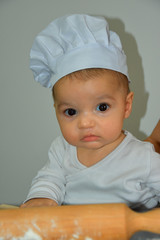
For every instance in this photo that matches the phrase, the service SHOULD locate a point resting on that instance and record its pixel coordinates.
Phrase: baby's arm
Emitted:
(154, 138)
(39, 202)
(48, 187)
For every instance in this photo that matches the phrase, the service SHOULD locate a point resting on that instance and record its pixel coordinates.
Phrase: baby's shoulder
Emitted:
(140, 151)
(59, 143)
(139, 145)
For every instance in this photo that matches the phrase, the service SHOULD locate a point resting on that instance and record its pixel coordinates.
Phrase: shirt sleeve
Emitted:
(50, 180)
(153, 180)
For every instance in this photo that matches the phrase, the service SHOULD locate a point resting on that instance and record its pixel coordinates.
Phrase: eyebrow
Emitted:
(63, 104)
(105, 96)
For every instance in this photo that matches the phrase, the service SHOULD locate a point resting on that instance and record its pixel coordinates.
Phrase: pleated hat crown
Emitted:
(72, 43)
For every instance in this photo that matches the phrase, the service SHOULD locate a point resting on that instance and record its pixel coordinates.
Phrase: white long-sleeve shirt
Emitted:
(130, 174)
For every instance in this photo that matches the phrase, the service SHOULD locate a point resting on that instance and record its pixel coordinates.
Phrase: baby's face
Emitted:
(90, 112)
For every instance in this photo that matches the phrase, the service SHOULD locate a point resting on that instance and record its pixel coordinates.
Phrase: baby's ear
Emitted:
(54, 104)
(128, 107)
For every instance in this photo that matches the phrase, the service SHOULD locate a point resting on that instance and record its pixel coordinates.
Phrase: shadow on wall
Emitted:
(136, 74)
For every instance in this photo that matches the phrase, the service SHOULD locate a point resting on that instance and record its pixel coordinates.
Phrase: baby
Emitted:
(95, 160)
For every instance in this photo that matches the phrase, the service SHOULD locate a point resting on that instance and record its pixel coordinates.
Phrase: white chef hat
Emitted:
(72, 43)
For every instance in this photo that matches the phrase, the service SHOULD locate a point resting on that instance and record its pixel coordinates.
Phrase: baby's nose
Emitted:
(86, 121)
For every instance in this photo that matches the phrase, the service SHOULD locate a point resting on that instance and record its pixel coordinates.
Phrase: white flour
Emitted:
(29, 235)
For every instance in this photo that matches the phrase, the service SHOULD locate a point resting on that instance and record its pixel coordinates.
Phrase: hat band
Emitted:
(90, 56)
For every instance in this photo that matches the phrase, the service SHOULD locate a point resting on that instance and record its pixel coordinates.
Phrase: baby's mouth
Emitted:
(90, 138)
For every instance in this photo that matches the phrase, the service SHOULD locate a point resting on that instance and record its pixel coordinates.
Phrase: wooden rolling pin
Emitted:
(82, 222)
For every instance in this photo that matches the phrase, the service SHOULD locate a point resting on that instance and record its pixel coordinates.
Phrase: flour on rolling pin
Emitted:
(28, 235)
(76, 236)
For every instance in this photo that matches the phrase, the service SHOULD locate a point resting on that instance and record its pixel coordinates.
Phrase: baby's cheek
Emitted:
(112, 129)
(70, 135)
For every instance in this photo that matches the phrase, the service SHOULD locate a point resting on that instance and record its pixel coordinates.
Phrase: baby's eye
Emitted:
(70, 112)
(102, 107)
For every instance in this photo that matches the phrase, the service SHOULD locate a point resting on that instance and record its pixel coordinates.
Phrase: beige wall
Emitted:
(27, 120)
